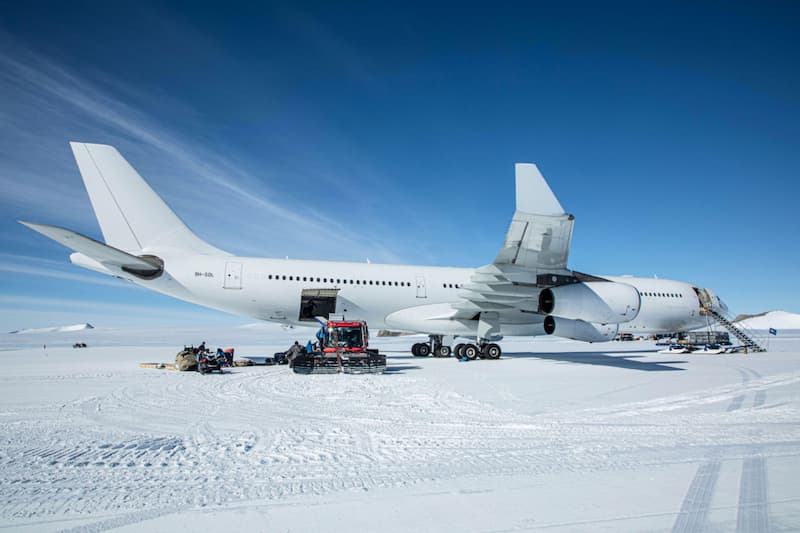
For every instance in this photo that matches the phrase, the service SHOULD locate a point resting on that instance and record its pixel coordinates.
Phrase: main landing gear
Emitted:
(473, 351)
(470, 351)
(434, 345)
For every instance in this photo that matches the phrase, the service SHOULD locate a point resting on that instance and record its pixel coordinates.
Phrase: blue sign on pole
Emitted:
(773, 331)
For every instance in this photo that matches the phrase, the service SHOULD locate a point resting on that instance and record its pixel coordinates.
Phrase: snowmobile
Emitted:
(209, 362)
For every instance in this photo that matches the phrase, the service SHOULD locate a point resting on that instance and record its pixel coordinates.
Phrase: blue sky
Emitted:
(670, 130)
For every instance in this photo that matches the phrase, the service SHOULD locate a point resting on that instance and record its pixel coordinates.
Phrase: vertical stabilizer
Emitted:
(533, 193)
(131, 215)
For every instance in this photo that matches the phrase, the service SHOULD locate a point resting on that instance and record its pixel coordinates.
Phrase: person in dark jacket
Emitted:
(293, 351)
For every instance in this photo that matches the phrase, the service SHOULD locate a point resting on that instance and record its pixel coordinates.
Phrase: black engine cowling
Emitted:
(579, 330)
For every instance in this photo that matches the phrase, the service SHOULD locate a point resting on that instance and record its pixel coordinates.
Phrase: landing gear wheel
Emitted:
(471, 351)
(492, 351)
(459, 350)
(414, 350)
(443, 351)
(423, 350)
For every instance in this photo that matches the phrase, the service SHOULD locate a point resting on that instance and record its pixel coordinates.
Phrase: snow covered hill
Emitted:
(57, 329)
(772, 319)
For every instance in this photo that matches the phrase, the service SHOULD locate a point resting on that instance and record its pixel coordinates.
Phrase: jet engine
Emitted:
(602, 302)
(579, 330)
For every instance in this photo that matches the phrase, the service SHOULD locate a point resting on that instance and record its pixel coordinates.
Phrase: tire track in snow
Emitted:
(693, 516)
(753, 514)
(120, 521)
(753, 511)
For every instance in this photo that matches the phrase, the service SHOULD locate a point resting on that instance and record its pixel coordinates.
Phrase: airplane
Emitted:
(527, 290)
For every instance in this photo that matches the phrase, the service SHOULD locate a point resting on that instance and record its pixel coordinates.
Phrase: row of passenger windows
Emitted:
(451, 285)
(340, 281)
(662, 294)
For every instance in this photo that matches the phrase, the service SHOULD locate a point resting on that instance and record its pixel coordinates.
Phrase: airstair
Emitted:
(713, 308)
(748, 338)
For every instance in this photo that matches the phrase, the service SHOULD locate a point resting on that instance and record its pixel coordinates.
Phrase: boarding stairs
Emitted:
(748, 338)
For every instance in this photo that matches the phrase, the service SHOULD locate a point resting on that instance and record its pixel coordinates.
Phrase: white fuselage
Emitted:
(270, 289)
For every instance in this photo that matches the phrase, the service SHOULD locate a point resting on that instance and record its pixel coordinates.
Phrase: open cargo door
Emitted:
(317, 302)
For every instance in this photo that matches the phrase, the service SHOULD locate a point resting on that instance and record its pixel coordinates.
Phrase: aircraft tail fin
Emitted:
(533, 193)
(131, 215)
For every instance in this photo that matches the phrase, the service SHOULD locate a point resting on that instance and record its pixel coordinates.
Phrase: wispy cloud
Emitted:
(67, 304)
(57, 88)
(36, 266)
(21, 312)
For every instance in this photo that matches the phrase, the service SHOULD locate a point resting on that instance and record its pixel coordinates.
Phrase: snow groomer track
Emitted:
(556, 435)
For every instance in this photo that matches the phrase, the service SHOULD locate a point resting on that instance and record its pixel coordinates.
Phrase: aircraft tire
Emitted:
(471, 351)
(492, 351)
(423, 350)
(444, 351)
(459, 350)
(414, 351)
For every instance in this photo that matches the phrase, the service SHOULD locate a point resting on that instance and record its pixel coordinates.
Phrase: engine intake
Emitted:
(602, 302)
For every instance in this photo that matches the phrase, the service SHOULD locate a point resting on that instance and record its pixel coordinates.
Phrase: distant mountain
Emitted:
(771, 319)
(57, 329)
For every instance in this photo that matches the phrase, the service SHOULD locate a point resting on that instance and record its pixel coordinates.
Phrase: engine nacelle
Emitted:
(579, 330)
(601, 302)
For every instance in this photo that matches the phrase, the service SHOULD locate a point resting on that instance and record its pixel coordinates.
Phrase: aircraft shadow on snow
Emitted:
(400, 369)
(603, 359)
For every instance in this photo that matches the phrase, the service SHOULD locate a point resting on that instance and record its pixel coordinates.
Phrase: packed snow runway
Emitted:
(556, 435)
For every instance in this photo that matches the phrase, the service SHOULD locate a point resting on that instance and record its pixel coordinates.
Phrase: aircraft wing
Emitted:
(113, 260)
(533, 254)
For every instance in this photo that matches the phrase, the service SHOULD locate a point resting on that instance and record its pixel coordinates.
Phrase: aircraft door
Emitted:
(421, 291)
(317, 302)
(233, 275)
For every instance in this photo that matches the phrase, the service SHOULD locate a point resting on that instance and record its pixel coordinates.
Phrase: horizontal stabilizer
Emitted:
(115, 260)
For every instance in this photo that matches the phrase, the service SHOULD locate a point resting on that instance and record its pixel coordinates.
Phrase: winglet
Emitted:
(533, 193)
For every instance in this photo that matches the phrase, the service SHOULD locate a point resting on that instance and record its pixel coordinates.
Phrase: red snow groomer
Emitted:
(344, 349)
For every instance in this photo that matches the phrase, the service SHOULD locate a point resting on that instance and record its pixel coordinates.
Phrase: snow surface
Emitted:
(556, 435)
